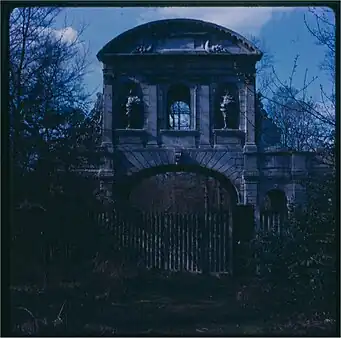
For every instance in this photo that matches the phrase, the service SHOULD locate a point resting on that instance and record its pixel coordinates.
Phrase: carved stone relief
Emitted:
(218, 48)
(142, 49)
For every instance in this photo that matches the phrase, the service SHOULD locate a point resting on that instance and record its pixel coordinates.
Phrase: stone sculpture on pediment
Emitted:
(143, 49)
(218, 48)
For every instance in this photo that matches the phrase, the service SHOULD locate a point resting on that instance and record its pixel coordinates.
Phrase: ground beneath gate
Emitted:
(161, 304)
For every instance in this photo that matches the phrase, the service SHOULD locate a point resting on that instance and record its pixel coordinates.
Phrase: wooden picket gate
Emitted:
(175, 241)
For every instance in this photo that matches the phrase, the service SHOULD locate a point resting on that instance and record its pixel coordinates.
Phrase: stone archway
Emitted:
(127, 183)
(194, 240)
(132, 166)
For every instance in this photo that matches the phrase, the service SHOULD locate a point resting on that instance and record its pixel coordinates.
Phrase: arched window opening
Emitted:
(179, 110)
(276, 201)
(274, 211)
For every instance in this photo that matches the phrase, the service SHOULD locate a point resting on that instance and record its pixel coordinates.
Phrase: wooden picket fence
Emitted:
(271, 221)
(175, 241)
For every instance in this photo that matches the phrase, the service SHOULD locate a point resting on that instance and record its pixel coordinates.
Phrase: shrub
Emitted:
(302, 259)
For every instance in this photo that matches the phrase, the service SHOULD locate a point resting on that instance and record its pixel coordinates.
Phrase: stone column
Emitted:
(151, 106)
(250, 148)
(204, 114)
(298, 173)
(300, 197)
(161, 108)
(106, 172)
(251, 197)
(242, 105)
(193, 107)
(251, 172)
(250, 192)
(250, 104)
(298, 164)
(107, 131)
(250, 141)
(107, 107)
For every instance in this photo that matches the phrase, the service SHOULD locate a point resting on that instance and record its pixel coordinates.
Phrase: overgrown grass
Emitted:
(158, 303)
(108, 294)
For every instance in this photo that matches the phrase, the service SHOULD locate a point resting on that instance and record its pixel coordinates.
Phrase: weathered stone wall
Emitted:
(155, 108)
(132, 160)
(231, 152)
(252, 173)
(285, 171)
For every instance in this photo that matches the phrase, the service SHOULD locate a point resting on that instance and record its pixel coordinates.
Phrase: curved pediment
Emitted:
(179, 36)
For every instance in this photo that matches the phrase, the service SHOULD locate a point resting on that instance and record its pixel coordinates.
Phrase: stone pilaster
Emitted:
(107, 126)
(250, 162)
(204, 113)
(296, 193)
(145, 96)
(250, 111)
(298, 165)
(250, 192)
(193, 107)
(161, 116)
(151, 105)
(250, 196)
(251, 177)
(298, 175)
(242, 105)
(107, 108)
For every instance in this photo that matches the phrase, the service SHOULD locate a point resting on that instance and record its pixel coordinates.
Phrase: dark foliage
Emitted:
(301, 262)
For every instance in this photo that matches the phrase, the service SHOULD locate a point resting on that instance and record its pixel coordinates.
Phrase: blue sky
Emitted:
(281, 30)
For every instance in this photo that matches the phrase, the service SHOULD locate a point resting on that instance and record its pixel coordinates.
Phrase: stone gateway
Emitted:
(181, 92)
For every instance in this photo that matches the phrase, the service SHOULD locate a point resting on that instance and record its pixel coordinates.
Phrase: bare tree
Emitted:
(298, 116)
(46, 71)
(303, 123)
(323, 30)
(52, 128)
(300, 130)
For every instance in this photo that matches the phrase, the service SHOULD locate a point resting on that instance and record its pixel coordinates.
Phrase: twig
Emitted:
(61, 309)
(27, 310)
